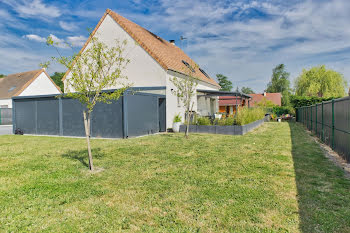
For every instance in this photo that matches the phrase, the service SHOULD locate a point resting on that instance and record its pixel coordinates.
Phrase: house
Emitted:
(153, 62)
(275, 98)
(229, 104)
(36, 82)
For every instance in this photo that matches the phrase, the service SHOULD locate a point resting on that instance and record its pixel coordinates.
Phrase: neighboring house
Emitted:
(153, 62)
(275, 98)
(229, 104)
(36, 82)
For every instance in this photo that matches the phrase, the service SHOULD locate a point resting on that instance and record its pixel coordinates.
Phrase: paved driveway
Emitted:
(5, 129)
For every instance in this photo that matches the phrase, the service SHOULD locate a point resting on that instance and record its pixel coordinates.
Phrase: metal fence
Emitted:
(5, 116)
(330, 121)
(129, 116)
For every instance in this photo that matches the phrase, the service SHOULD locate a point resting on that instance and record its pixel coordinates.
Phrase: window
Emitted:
(206, 75)
(12, 88)
(188, 66)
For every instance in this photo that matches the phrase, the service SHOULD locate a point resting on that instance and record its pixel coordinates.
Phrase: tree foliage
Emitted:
(185, 90)
(57, 78)
(280, 83)
(300, 101)
(225, 84)
(247, 90)
(97, 68)
(2, 75)
(321, 82)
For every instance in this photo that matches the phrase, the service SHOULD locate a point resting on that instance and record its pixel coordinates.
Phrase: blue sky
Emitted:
(241, 39)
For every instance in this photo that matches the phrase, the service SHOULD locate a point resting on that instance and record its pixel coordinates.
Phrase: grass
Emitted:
(274, 179)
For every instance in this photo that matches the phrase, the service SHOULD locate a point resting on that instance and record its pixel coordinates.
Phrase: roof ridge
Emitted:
(16, 74)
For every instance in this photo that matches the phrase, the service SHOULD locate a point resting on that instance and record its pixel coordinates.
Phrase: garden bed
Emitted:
(226, 129)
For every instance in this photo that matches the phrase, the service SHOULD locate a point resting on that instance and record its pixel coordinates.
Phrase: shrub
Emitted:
(203, 121)
(226, 121)
(177, 118)
(300, 101)
(247, 115)
(280, 110)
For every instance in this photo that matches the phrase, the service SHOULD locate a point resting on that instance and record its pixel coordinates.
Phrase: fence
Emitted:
(129, 116)
(330, 121)
(5, 116)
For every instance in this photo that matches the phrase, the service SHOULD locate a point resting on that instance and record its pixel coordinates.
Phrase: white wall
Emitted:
(143, 70)
(42, 85)
(6, 102)
(172, 106)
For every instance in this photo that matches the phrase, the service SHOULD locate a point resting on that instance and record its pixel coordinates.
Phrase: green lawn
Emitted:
(274, 179)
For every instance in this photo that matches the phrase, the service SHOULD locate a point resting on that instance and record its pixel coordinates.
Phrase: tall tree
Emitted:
(57, 78)
(98, 67)
(320, 81)
(225, 84)
(186, 92)
(247, 90)
(280, 83)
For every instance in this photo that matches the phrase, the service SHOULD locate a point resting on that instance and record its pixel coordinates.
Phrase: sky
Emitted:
(241, 39)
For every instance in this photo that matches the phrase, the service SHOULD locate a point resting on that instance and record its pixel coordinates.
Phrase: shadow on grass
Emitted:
(323, 190)
(82, 155)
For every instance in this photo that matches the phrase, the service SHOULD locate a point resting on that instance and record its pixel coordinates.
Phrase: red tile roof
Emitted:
(256, 98)
(169, 56)
(273, 97)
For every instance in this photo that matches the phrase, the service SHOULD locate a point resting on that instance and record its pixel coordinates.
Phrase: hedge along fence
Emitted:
(5, 116)
(330, 121)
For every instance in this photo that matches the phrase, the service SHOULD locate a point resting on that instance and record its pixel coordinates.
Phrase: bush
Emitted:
(226, 121)
(280, 110)
(247, 115)
(203, 121)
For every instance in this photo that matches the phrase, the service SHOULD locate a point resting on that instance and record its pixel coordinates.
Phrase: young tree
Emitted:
(185, 89)
(321, 82)
(57, 78)
(96, 68)
(247, 90)
(225, 84)
(280, 83)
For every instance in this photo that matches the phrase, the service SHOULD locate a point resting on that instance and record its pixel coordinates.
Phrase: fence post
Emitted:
(60, 117)
(332, 123)
(125, 114)
(322, 124)
(311, 118)
(316, 120)
(0, 116)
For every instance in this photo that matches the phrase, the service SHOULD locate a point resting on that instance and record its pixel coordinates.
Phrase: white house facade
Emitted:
(153, 62)
(30, 83)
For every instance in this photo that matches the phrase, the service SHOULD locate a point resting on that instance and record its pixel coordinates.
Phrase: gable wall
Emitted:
(42, 85)
(143, 70)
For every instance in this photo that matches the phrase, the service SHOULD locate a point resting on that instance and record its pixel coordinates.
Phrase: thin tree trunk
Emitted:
(87, 133)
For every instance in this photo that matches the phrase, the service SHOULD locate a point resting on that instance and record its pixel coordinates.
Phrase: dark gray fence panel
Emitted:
(72, 117)
(107, 120)
(25, 115)
(333, 123)
(5, 116)
(142, 114)
(47, 116)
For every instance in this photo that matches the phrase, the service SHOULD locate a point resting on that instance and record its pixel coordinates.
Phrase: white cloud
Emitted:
(77, 41)
(33, 9)
(35, 38)
(68, 26)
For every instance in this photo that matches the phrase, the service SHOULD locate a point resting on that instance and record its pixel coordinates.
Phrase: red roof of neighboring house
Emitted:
(273, 97)
(256, 98)
(229, 100)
